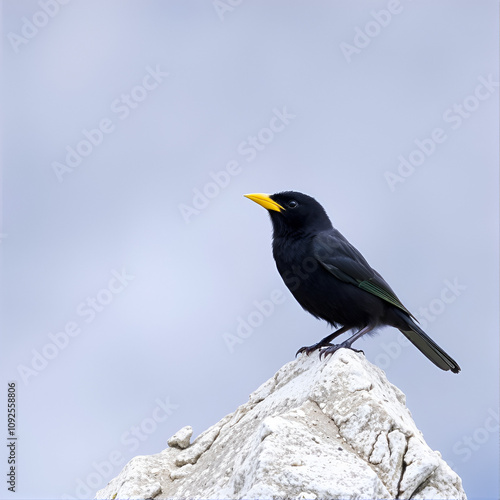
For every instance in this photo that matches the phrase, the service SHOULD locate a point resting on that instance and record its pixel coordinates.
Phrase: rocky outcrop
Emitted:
(317, 429)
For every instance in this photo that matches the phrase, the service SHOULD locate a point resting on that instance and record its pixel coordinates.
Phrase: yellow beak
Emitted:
(265, 201)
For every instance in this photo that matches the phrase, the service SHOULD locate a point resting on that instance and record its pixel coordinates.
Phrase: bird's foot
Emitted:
(310, 349)
(335, 347)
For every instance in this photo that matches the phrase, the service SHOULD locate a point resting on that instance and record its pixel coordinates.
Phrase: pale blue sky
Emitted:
(132, 129)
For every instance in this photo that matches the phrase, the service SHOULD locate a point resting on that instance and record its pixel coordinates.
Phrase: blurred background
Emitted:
(139, 293)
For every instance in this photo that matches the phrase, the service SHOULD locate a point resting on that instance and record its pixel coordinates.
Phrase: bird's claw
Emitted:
(310, 349)
(335, 347)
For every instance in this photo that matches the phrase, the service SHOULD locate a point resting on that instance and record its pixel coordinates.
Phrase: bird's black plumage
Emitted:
(333, 281)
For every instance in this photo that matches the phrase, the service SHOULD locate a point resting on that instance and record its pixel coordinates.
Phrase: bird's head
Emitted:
(293, 212)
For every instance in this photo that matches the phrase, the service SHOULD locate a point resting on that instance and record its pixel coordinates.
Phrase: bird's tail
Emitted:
(425, 344)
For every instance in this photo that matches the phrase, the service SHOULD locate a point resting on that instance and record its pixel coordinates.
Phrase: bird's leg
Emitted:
(347, 343)
(323, 343)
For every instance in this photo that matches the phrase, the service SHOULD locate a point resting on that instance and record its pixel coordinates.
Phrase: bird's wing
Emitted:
(346, 263)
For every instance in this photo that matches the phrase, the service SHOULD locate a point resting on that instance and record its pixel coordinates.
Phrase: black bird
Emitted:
(333, 281)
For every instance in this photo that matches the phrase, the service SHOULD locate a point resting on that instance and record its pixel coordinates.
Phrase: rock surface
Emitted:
(181, 438)
(317, 429)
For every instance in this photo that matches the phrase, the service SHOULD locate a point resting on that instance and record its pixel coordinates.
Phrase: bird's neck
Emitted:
(292, 244)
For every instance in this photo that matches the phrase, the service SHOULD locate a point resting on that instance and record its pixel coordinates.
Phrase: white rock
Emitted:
(317, 429)
(181, 438)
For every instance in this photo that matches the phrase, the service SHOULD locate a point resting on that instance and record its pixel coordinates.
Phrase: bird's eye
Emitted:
(293, 204)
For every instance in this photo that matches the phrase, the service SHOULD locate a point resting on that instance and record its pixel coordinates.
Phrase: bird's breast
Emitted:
(318, 291)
